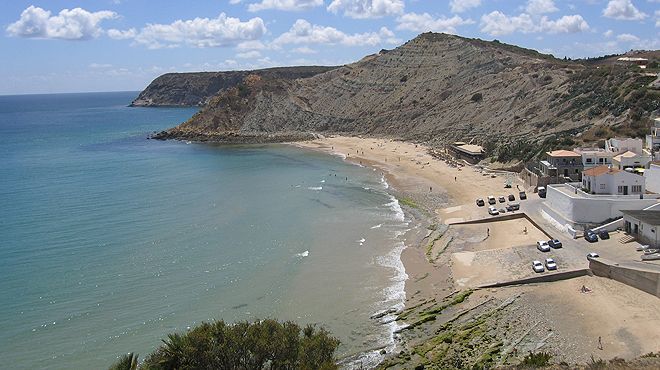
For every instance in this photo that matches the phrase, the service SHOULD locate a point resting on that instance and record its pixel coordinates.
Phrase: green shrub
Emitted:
(243, 345)
(537, 359)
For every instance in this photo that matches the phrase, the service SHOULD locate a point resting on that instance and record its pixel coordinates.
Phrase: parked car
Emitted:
(543, 246)
(592, 255)
(537, 266)
(550, 264)
(493, 211)
(501, 199)
(480, 202)
(541, 191)
(511, 198)
(554, 243)
(502, 210)
(590, 236)
(522, 195)
(513, 206)
(491, 199)
(603, 234)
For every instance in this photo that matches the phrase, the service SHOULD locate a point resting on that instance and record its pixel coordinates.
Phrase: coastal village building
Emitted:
(653, 140)
(469, 152)
(641, 62)
(652, 176)
(643, 225)
(612, 181)
(631, 160)
(594, 157)
(622, 145)
(562, 166)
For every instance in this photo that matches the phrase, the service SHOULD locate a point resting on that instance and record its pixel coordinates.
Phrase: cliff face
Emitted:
(196, 88)
(433, 88)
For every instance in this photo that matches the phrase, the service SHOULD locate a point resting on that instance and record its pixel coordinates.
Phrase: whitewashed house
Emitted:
(652, 176)
(653, 140)
(612, 181)
(631, 159)
(594, 157)
(643, 225)
(622, 145)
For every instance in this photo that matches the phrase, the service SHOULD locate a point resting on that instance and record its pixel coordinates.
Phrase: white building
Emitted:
(630, 159)
(567, 204)
(622, 145)
(612, 181)
(593, 157)
(653, 140)
(652, 176)
(643, 225)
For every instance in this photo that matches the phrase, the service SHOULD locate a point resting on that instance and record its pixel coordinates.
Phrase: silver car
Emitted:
(537, 266)
(543, 246)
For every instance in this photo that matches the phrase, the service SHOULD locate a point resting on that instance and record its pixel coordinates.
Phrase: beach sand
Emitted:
(441, 260)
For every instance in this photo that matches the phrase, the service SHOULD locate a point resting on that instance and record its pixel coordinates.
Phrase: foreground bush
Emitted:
(243, 345)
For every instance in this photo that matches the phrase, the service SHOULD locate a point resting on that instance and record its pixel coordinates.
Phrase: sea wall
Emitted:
(645, 280)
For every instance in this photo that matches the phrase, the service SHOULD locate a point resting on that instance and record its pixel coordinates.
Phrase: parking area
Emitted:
(502, 251)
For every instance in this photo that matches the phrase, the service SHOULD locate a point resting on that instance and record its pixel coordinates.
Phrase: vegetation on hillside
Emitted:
(244, 345)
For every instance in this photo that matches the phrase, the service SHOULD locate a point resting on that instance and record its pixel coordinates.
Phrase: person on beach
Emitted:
(430, 189)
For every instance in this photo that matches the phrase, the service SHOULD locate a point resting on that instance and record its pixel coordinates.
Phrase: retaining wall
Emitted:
(645, 280)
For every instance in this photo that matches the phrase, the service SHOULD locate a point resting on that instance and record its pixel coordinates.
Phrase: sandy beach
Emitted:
(612, 320)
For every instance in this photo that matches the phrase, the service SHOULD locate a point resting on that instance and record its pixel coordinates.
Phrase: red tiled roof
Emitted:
(600, 170)
(562, 153)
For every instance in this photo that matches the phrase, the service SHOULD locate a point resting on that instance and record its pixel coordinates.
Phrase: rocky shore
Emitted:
(449, 321)
(233, 137)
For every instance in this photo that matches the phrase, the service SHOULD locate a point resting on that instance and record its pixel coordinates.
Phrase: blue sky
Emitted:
(111, 45)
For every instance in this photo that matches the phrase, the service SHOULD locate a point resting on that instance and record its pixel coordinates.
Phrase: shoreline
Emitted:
(446, 265)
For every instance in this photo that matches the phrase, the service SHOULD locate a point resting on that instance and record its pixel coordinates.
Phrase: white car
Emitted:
(537, 266)
(592, 255)
(550, 264)
(543, 246)
(493, 211)
(491, 199)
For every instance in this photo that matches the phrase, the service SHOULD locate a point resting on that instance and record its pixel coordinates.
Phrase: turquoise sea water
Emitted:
(109, 241)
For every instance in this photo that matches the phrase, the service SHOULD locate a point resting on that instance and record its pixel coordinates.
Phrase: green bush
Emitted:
(243, 345)
(537, 359)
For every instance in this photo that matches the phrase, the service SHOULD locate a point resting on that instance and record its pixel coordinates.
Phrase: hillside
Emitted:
(196, 88)
(434, 89)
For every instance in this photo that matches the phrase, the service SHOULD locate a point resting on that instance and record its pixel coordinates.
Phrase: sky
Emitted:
(53, 46)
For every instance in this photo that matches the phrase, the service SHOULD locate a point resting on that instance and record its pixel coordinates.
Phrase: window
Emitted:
(600, 160)
(620, 189)
(602, 186)
(637, 188)
(590, 160)
(576, 170)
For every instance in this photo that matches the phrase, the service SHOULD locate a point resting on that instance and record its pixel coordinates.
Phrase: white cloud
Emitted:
(608, 33)
(198, 32)
(251, 45)
(304, 50)
(122, 35)
(623, 10)
(657, 18)
(363, 9)
(497, 23)
(69, 24)
(627, 37)
(459, 6)
(540, 6)
(425, 22)
(289, 5)
(303, 32)
(249, 54)
(566, 24)
(100, 65)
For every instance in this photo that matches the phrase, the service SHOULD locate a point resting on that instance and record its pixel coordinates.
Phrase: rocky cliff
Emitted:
(436, 88)
(196, 88)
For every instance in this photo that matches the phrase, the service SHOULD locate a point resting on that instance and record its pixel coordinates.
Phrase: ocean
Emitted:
(110, 241)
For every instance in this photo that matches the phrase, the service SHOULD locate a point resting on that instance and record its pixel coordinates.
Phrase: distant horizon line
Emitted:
(72, 93)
